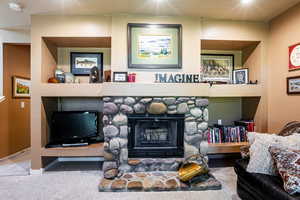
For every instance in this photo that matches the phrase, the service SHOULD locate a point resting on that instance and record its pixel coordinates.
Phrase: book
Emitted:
(226, 134)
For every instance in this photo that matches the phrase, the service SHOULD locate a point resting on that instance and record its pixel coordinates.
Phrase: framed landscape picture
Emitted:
(294, 57)
(21, 87)
(82, 63)
(240, 76)
(217, 67)
(154, 46)
(293, 85)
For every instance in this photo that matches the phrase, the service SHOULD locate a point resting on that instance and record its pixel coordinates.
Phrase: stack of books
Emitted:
(248, 124)
(226, 134)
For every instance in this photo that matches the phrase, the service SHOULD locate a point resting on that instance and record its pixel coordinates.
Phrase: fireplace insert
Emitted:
(156, 136)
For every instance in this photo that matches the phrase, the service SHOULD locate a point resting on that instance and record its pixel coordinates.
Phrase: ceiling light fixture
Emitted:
(15, 6)
(245, 2)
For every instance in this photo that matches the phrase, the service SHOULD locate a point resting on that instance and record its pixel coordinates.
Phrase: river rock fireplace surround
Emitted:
(152, 133)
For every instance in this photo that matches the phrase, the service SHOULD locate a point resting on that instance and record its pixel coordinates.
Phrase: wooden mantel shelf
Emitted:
(149, 89)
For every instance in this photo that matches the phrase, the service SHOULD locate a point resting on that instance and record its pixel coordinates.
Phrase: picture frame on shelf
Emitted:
(21, 87)
(293, 85)
(83, 62)
(294, 57)
(217, 67)
(241, 76)
(120, 77)
(154, 46)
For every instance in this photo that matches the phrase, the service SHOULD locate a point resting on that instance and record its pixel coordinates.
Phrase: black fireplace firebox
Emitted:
(156, 136)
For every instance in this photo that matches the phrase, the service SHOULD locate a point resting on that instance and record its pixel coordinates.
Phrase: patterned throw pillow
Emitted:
(288, 165)
(260, 158)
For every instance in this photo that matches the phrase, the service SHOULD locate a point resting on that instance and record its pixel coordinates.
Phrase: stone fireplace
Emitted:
(152, 133)
(155, 136)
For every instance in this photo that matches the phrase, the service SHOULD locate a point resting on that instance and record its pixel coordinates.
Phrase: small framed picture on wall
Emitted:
(21, 87)
(294, 57)
(240, 76)
(293, 85)
(120, 77)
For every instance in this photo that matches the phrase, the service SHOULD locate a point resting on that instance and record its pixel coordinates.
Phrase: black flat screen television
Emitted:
(73, 127)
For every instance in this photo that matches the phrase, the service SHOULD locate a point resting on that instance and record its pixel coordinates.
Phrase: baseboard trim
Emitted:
(15, 154)
(36, 171)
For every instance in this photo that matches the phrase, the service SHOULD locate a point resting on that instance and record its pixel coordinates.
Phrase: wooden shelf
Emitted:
(225, 147)
(149, 89)
(93, 150)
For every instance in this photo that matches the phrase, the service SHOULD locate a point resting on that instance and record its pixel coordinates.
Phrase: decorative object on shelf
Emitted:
(240, 76)
(53, 80)
(131, 77)
(192, 167)
(217, 67)
(60, 75)
(294, 57)
(21, 87)
(293, 85)
(94, 75)
(82, 63)
(107, 75)
(69, 77)
(120, 76)
(155, 46)
(77, 80)
(177, 78)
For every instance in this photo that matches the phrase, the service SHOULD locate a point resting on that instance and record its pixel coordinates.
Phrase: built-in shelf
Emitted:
(92, 150)
(225, 147)
(144, 89)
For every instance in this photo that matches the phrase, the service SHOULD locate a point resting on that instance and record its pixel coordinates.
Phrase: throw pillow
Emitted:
(288, 165)
(260, 158)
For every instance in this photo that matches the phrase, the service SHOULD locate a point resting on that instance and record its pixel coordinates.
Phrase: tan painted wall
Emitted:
(14, 120)
(284, 31)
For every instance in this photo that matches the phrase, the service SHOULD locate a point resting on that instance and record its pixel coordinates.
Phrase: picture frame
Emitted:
(21, 87)
(294, 57)
(293, 85)
(241, 76)
(154, 46)
(120, 77)
(83, 62)
(217, 67)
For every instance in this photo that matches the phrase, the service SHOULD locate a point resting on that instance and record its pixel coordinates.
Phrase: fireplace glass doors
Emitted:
(156, 136)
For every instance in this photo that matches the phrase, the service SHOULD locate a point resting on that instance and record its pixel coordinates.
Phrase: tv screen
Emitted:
(72, 126)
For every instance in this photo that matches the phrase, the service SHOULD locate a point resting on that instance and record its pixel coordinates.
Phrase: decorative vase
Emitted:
(60, 75)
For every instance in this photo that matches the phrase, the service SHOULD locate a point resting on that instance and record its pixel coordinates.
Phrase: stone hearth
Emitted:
(156, 181)
(115, 120)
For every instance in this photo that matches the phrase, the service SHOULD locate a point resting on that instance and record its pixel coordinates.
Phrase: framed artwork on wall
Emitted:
(294, 57)
(241, 76)
(154, 46)
(293, 85)
(82, 63)
(21, 87)
(120, 77)
(217, 67)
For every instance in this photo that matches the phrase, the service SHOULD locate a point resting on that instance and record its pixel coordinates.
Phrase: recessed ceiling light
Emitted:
(246, 1)
(15, 6)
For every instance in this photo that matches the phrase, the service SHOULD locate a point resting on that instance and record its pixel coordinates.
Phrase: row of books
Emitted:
(226, 134)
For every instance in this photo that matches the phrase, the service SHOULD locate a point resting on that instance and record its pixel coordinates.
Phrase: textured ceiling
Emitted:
(258, 10)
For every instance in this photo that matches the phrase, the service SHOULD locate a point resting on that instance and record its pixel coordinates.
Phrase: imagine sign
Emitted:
(177, 78)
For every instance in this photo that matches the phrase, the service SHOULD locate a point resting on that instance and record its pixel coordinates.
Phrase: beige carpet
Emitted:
(81, 184)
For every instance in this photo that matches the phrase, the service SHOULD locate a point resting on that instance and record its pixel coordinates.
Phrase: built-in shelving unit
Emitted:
(92, 150)
(225, 147)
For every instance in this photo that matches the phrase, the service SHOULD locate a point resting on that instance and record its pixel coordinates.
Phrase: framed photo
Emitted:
(21, 87)
(82, 63)
(217, 67)
(294, 57)
(154, 46)
(293, 85)
(120, 77)
(240, 76)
